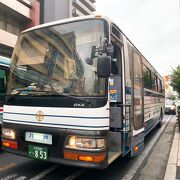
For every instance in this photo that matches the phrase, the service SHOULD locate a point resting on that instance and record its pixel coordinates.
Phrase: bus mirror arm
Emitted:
(110, 49)
(94, 50)
(105, 48)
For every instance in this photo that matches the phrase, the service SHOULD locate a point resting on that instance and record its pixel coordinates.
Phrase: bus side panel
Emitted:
(137, 115)
(153, 110)
(137, 144)
(128, 97)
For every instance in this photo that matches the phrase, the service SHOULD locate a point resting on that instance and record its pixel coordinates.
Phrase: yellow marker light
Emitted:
(136, 148)
(86, 158)
(95, 158)
(9, 144)
(98, 16)
(5, 144)
(71, 156)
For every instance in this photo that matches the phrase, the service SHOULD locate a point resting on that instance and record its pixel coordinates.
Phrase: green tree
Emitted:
(171, 97)
(175, 79)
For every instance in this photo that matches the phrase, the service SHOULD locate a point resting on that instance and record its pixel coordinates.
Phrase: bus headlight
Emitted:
(8, 133)
(84, 143)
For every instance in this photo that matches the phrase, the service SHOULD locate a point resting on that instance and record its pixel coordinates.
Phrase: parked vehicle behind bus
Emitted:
(80, 94)
(170, 107)
(4, 71)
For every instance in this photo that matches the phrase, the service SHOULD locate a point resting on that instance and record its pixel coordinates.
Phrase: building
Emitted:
(52, 10)
(18, 15)
(15, 16)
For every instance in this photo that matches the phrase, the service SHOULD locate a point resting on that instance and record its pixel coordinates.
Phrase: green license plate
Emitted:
(37, 152)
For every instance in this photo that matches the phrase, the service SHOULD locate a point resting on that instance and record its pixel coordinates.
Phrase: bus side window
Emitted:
(116, 59)
(114, 66)
(154, 82)
(147, 77)
(2, 86)
(2, 81)
(138, 97)
(159, 85)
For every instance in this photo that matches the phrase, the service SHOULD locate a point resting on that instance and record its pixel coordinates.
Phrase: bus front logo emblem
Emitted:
(39, 116)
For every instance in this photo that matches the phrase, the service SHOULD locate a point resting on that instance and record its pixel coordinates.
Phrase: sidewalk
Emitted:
(173, 165)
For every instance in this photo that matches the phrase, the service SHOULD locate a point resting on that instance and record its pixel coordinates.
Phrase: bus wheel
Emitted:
(160, 120)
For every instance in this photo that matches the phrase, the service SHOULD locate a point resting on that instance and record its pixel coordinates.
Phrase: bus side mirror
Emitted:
(103, 66)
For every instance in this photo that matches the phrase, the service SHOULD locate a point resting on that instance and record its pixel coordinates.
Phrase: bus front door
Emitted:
(137, 142)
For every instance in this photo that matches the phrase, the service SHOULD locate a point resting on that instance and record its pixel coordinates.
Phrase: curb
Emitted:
(134, 171)
(173, 161)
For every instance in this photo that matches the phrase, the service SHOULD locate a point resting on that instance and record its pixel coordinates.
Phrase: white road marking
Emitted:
(9, 177)
(11, 165)
(21, 178)
(44, 173)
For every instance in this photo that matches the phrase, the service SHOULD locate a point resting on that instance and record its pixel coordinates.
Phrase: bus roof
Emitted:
(73, 19)
(4, 61)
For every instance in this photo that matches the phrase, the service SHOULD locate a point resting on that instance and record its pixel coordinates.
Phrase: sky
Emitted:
(152, 25)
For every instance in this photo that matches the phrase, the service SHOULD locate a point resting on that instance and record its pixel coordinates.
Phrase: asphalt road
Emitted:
(20, 168)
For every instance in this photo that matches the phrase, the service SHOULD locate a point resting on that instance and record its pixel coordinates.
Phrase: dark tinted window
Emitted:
(154, 82)
(3, 85)
(147, 77)
(159, 85)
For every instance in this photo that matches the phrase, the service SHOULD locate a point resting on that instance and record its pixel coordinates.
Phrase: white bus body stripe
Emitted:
(75, 118)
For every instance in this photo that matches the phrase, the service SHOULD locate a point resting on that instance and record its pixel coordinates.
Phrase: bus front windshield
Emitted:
(53, 59)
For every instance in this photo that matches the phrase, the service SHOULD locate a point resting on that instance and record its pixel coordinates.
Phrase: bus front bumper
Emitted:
(55, 151)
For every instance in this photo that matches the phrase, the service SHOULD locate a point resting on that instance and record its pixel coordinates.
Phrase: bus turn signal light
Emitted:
(9, 144)
(85, 157)
(136, 148)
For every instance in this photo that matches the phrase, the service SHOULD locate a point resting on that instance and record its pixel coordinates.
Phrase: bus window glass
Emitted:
(2, 86)
(159, 85)
(116, 60)
(147, 77)
(138, 123)
(154, 83)
(54, 58)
